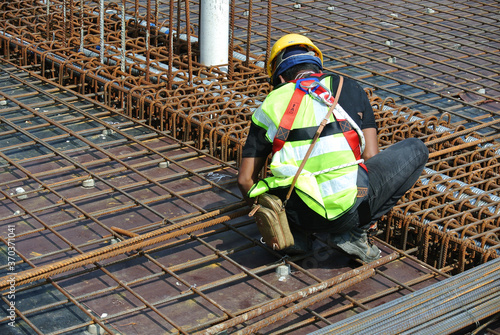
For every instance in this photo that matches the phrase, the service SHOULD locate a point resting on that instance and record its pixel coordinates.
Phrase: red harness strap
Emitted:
(287, 120)
(351, 136)
(291, 112)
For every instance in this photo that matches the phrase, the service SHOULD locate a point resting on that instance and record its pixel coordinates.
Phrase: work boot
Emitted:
(355, 243)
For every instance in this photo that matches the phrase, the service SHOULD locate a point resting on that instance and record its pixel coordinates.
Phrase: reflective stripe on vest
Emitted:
(324, 145)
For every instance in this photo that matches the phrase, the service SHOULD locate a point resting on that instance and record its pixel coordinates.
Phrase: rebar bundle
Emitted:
(442, 308)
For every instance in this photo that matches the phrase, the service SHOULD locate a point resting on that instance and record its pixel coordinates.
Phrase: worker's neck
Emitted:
(304, 74)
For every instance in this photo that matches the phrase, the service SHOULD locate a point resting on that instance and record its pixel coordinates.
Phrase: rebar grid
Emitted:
(64, 231)
(54, 142)
(437, 71)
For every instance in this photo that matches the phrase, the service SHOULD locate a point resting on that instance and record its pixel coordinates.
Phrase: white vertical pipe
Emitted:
(214, 32)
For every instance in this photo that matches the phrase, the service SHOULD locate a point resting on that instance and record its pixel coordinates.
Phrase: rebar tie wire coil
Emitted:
(138, 242)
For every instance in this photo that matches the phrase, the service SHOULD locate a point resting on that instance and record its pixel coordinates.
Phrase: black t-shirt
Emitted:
(353, 100)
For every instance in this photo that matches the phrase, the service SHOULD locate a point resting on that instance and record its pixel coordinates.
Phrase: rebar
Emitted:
(112, 132)
(408, 313)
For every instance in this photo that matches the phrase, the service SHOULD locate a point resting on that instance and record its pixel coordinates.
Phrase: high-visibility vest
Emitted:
(328, 182)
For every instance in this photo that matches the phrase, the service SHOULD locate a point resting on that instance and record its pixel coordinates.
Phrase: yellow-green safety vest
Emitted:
(328, 182)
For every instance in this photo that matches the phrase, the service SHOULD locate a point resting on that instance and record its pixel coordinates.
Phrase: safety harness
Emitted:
(313, 86)
(353, 134)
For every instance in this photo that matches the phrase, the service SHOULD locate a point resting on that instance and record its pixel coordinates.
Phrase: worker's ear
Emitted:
(282, 79)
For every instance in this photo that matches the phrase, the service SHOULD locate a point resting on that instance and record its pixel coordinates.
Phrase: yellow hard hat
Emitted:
(288, 41)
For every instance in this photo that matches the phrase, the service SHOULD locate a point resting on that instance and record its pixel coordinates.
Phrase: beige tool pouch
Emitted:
(272, 221)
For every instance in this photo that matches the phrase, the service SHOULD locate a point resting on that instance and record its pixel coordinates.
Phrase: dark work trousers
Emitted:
(391, 173)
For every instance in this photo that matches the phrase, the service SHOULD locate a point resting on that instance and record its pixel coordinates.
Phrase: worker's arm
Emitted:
(371, 143)
(248, 175)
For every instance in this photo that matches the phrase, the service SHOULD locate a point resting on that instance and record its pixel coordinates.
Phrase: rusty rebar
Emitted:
(301, 294)
(122, 247)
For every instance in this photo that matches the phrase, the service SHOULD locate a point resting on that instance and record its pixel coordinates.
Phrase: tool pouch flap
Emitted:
(272, 221)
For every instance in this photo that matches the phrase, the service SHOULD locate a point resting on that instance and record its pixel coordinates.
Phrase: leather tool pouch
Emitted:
(272, 221)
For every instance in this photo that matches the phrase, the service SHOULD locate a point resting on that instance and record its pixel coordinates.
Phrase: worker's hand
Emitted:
(248, 175)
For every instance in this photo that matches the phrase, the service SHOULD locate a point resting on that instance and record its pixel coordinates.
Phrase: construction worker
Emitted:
(346, 184)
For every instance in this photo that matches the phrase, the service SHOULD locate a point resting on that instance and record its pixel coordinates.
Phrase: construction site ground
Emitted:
(120, 211)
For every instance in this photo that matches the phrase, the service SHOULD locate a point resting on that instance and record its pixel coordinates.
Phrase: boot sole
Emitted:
(352, 252)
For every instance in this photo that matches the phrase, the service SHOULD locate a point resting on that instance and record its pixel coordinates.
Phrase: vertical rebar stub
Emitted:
(95, 329)
(21, 193)
(164, 164)
(106, 132)
(88, 183)
(283, 270)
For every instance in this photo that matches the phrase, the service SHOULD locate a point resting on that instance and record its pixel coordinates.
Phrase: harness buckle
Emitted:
(311, 86)
(302, 85)
(326, 96)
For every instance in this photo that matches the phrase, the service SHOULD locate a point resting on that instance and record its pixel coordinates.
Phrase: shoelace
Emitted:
(370, 234)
